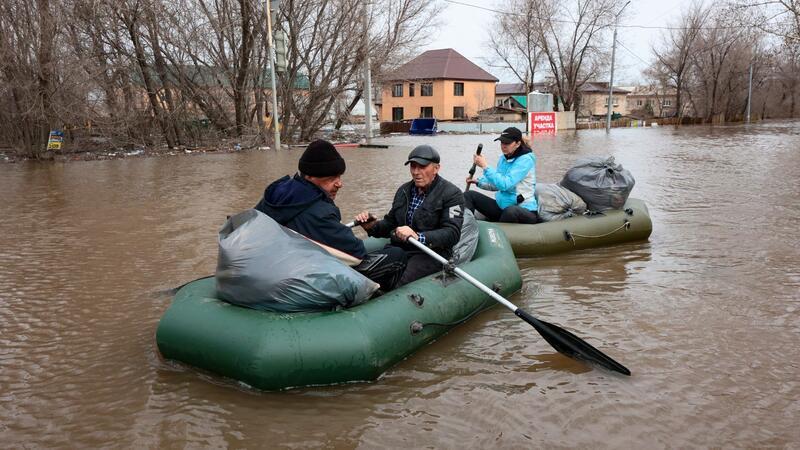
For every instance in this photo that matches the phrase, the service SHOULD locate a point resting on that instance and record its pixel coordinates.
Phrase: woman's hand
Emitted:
(479, 161)
(471, 180)
(405, 232)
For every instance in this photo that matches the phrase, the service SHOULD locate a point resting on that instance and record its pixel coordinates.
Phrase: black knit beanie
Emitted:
(321, 160)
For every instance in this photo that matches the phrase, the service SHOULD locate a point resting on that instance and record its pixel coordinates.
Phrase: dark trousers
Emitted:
(419, 265)
(384, 266)
(475, 201)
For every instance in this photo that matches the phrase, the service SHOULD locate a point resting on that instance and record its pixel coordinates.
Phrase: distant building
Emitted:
(505, 90)
(594, 100)
(208, 82)
(438, 83)
(647, 101)
(502, 114)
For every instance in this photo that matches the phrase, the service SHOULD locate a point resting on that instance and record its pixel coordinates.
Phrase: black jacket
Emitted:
(439, 217)
(302, 206)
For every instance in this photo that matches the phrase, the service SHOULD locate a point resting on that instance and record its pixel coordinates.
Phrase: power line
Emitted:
(642, 27)
(631, 52)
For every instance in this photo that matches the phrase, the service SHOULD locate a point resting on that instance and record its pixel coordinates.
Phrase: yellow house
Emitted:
(648, 101)
(438, 83)
(594, 100)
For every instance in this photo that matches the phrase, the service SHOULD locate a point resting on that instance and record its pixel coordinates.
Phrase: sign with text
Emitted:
(542, 122)
(55, 140)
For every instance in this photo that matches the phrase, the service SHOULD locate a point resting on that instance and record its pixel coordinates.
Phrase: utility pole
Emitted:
(367, 78)
(749, 93)
(274, 88)
(613, 55)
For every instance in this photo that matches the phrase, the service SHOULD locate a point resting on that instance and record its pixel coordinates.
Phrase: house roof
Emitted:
(502, 89)
(440, 64)
(510, 88)
(521, 99)
(602, 87)
(500, 110)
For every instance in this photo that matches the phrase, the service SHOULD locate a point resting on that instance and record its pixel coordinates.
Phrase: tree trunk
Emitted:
(245, 51)
(339, 121)
(172, 130)
(44, 116)
(149, 85)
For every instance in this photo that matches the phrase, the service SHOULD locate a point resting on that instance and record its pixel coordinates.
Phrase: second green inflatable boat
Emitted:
(272, 351)
(631, 223)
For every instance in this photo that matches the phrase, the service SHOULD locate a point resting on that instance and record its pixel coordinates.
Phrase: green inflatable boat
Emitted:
(272, 351)
(631, 223)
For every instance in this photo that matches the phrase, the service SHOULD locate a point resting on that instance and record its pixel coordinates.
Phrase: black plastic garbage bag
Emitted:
(600, 182)
(263, 265)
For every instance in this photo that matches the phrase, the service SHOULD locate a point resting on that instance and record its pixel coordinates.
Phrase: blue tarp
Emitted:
(423, 126)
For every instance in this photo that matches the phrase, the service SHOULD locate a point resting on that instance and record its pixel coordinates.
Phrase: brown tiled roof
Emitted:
(438, 64)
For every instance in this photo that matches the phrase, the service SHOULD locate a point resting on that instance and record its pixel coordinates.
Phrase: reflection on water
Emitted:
(705, 313)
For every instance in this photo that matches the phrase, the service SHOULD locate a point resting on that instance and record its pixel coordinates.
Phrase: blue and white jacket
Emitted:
(514, 176)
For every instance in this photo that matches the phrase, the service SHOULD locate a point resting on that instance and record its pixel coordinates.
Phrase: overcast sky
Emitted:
(464, 29)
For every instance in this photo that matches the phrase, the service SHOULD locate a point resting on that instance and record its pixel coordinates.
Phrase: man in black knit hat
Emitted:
(305, 203)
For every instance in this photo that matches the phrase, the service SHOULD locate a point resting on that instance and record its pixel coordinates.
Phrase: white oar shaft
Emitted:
(464, 275)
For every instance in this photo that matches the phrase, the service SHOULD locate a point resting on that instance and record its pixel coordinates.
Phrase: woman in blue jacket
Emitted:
(514, 179)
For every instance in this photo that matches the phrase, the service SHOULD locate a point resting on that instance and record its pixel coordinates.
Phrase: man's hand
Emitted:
(405, 232)
(365, 219)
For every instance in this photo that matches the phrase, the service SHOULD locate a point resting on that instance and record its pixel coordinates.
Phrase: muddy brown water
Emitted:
(705, 313)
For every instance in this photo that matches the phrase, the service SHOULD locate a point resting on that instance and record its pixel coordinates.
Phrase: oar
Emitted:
(562, 340)
(472, 170)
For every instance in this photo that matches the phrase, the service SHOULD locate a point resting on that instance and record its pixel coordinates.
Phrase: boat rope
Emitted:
(571, 236)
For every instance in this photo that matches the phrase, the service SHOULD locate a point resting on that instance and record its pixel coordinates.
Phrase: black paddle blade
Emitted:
(570, 345)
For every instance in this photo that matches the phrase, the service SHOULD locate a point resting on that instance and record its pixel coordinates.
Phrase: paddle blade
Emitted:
(570, 345)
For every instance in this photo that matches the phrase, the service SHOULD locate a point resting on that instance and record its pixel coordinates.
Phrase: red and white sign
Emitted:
(542, 122)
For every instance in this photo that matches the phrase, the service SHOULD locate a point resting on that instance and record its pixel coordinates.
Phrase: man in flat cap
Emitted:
(427, 208)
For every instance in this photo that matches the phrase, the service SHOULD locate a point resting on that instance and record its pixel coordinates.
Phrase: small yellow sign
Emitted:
(55, 140)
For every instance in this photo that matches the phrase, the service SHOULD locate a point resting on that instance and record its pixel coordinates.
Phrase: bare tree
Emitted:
(673, 55)
(397, 27)
(516, 46)
(778, 17)
(787, 74)
(326, 44)
(133, 15)
(570, 33)
(721, 61)
(28, 40)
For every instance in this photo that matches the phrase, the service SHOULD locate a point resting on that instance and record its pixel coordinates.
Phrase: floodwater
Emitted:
(705, 313)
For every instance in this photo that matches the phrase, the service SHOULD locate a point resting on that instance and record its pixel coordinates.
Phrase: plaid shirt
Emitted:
(417, 197)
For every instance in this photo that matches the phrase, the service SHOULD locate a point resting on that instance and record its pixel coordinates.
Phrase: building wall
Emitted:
(595, 104)
(477, 95)
(565, 120)
(504, 117)
(661, 105)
